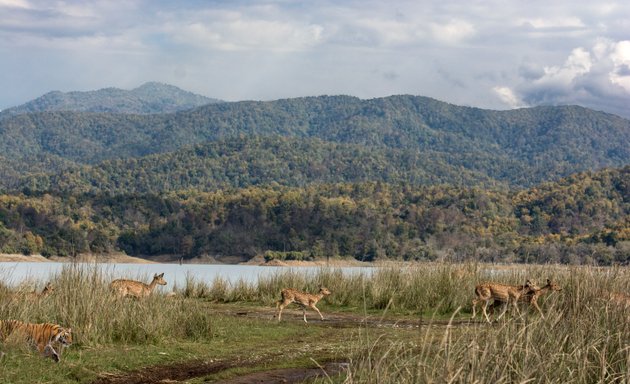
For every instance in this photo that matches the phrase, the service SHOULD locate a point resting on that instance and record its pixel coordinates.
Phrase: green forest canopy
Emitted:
(416, 139)
(582, 218)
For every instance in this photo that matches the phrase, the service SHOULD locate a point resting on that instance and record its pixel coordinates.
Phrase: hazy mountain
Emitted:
(148, 98)
(411, 139)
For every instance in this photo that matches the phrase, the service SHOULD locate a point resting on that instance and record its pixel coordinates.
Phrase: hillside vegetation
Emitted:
(413, 139)
(583, 218)
(400, 177)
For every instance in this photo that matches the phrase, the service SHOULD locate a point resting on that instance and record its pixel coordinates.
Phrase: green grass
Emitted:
(230, 338)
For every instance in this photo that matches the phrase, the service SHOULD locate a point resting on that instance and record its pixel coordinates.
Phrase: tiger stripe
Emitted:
(42, 336)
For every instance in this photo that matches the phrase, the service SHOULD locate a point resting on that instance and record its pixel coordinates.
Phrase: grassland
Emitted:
(404, 324)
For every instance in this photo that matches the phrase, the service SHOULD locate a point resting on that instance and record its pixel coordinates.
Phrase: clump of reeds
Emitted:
(585, 338)
(83, 301)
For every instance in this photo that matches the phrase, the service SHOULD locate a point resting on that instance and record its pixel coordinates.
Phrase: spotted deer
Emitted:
(302, 299)
(48, 289)
(504, 293)
(34, 295)
(531, 297)
(137, 289)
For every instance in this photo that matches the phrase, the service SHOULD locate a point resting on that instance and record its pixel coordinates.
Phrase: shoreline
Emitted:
(120, 258)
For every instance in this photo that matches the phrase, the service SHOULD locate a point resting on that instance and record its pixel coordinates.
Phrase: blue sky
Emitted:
(487, 54)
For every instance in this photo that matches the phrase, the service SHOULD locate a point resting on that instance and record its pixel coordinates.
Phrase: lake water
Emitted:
(15, 273)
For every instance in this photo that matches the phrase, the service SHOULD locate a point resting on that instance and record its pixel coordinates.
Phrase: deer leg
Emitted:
(515, 305)
(484, 310)
(280, 306)
(320, 314)
(535, 304)
(304, 313)
(474, 308)
(505, 307)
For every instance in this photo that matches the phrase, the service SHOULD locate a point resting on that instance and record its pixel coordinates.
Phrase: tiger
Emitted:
(42, 336)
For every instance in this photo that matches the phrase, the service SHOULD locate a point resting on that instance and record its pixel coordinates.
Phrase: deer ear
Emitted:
(161, 274)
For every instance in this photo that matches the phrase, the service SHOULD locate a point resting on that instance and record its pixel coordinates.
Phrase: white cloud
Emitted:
(598, 78)
(508, 97)
(553, 22)
(15, 4)
(577, 64)
(453, 31)
(620, 74)
(490, 54)
(237, 30)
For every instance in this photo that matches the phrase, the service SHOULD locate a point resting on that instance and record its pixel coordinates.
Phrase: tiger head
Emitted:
(64, 336)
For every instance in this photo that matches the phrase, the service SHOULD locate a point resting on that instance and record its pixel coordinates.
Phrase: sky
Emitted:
(495, 54)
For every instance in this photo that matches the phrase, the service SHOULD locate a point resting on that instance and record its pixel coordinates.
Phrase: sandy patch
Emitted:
(17, 258)
(121, 258)
(83, 258)
(333, 262)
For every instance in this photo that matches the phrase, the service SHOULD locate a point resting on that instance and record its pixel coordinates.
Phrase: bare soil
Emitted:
(179, 373)
(288, 375)
(346, 320)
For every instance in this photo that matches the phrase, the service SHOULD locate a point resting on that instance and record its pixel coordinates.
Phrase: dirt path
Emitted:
(288, 375)
(180, 372)
(176, 373)
(346, 320)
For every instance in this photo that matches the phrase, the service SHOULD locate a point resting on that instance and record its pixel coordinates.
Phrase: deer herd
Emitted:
(502, 294)
(490, 295)
(505, 295)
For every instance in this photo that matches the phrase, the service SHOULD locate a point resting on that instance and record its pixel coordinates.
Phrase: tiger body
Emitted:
(42, 336)
(136, 289)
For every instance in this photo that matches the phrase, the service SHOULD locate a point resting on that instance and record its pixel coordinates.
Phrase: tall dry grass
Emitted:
(414, 288)
(83, 301)
(585, 338)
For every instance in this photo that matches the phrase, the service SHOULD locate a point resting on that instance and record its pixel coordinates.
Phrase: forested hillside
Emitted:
(457, 144)
(584, 218)
(242, 162)
(401, 177)
(148, 98)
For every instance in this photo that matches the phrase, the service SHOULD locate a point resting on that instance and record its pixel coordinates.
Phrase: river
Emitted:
(14, 273)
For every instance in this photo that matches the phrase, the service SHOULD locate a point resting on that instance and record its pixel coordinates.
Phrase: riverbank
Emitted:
(114, 258)
(121, 258)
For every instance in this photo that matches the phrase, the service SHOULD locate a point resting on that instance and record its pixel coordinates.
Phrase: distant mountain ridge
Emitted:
(408, 139)
(151, 97)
